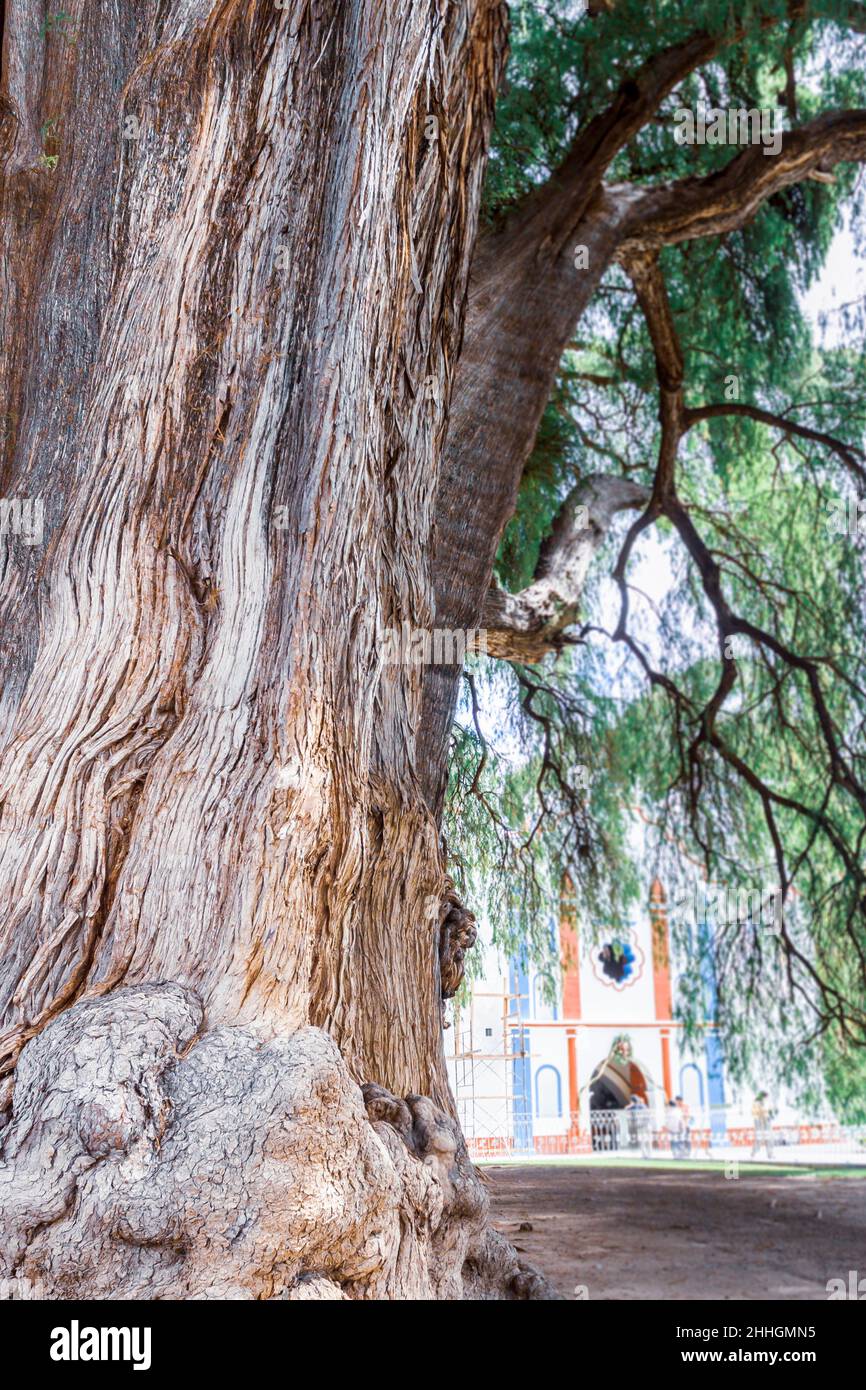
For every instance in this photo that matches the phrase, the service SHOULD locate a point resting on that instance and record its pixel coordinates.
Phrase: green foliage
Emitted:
(845, 1073)
(761, 504)
(518, 822)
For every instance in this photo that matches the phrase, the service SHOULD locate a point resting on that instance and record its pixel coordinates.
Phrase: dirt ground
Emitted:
(632, 1233)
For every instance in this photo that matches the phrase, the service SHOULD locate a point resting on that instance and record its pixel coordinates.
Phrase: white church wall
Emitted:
(548, 1048)
(689, 1076)
(541, 1009)
(601, 998)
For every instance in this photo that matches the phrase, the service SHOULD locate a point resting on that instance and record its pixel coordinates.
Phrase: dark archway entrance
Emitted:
(611, 1087)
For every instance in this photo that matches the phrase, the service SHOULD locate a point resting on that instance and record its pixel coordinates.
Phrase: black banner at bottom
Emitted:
(646, 1338)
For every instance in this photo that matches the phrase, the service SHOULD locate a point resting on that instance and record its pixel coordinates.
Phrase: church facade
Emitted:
(539, 1061)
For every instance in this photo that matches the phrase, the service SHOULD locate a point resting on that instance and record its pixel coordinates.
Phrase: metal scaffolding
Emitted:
(491, 1085)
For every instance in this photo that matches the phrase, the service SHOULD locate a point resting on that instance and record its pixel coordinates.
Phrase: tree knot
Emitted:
(457, 934)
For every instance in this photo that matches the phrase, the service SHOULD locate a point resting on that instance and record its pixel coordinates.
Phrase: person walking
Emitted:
(686, 1126)
(674, 1127)
(639, 1124)
(762, 1120)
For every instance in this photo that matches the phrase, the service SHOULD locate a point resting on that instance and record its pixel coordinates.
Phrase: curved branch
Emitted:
(850, 456)
(525, 626)
(685, 209)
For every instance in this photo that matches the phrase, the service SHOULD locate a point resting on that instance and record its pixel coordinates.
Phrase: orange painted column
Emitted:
(661, 951)
(573, 1101)
(570, 960)
(662, 975)
(666, 1064)
(569, 952)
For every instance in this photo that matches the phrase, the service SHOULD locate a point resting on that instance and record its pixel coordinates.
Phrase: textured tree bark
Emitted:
(236, 283)
(154, 1156)
(527, 295)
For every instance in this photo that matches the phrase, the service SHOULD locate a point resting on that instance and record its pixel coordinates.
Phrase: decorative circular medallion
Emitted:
(619, 961)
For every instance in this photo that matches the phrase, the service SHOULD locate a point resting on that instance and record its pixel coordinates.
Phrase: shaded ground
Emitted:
(632, 1233)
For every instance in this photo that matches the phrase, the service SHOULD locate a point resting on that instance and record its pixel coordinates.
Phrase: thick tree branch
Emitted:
(526, 296)
(567, 195)
(685, 209)
(525, 626)
(564, 198)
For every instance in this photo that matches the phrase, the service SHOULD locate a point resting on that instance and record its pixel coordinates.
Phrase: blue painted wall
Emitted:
(518, 983)
(557, 1113)
(713, 1050)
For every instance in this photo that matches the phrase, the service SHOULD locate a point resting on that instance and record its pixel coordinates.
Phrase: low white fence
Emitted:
(652, 1133)
(645, 1134)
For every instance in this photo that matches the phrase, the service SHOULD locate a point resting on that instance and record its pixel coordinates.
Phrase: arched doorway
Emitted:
(611, 1086)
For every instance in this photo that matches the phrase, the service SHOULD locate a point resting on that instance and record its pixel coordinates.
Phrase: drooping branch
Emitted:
(685, 209)
(652, 296)
(706, 732)
(852, 457)
(525, 626)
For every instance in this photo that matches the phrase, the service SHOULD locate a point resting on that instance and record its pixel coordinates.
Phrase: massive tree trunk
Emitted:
(237, 241)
